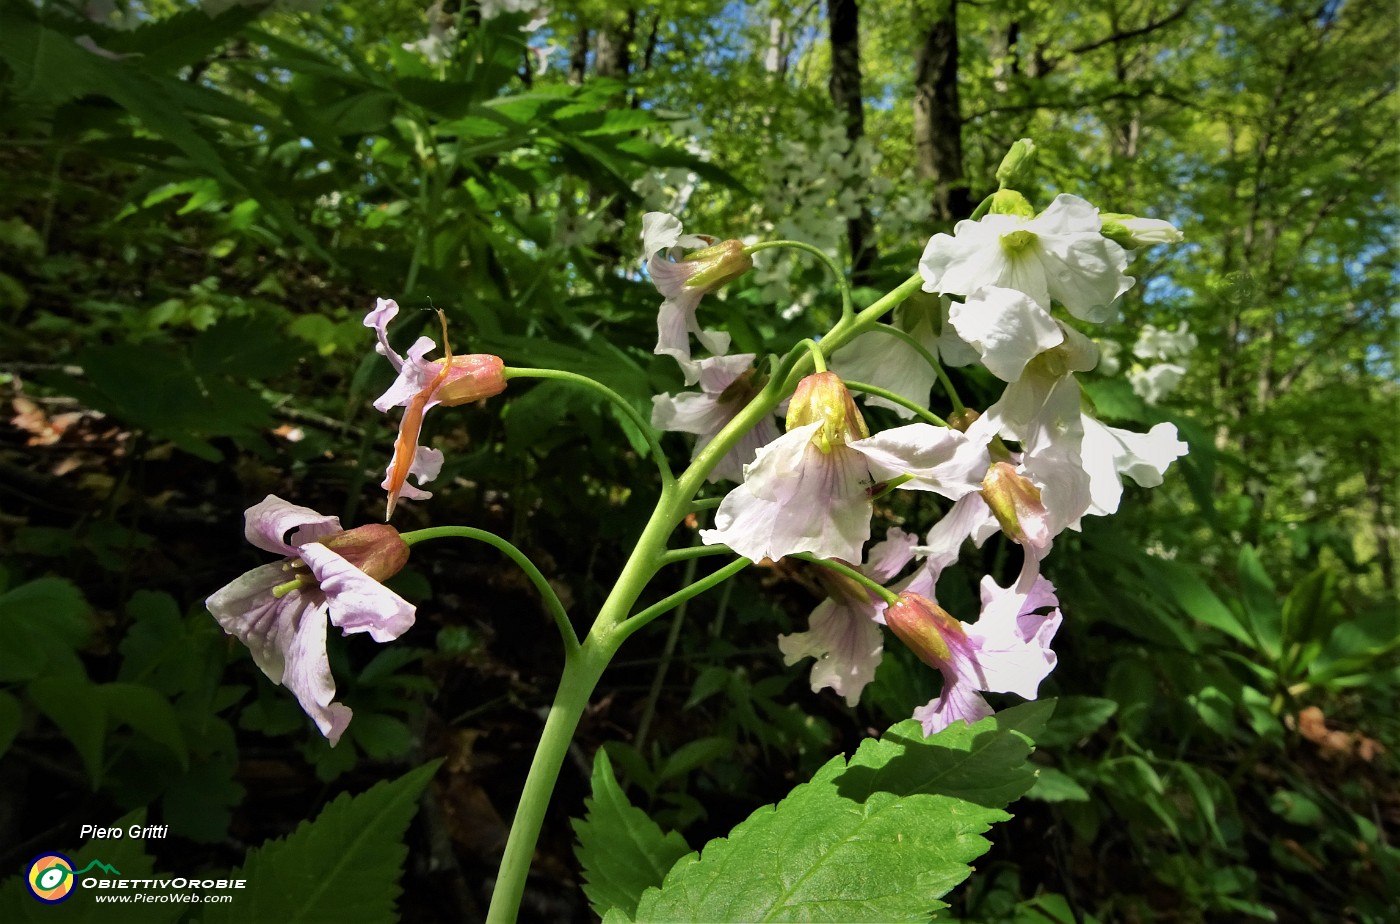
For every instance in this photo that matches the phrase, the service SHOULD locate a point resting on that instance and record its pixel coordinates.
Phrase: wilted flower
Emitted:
(279, 610)
(684, 282)
(421, 385)
(1060, 254)
(843, 632)
(727, 383)
(1006, 651)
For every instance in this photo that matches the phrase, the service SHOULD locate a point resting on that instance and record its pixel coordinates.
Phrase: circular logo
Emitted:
(50, 878)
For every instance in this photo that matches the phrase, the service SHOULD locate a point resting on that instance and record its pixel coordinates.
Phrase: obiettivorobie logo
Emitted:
(51, 877)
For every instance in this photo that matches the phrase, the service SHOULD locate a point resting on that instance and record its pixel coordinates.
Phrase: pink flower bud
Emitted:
(1016, 504)
(376, 549)
(823, 398)
(471, 378)
(928, 629)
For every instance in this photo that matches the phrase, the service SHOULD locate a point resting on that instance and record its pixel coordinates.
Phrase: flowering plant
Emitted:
(1029, 465)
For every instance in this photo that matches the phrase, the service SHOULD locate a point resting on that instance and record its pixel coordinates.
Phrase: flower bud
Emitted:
(1010, 202)
(823, 398)
(1016, 162)
(713, 266)
(842, 587)
(1016, 504)
(961, 420)
(376, 549)
(1131, 232)
(471, 378)
(927, 628)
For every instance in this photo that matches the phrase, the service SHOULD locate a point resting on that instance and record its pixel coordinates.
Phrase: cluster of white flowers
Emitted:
(1153, 383)
(991, 289)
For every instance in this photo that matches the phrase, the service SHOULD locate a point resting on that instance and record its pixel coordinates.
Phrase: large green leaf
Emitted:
(343, 866)
(880, 838)
(621, 850)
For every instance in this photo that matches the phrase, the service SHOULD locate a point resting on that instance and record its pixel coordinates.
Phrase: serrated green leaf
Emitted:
(879, 839)
(343, 866)
(621, 850)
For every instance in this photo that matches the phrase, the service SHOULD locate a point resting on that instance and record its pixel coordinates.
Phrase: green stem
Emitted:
(854, 574)
(929, 358)
(621, 403)
(682, 595)
(668, 651)
(818, 360)
(547, 594)
(696, 551)
(902, 401)
(847, 308)
(981, 209)
(575, 687)
(706, 503)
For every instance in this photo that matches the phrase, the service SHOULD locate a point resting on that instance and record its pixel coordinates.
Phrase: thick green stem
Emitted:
(575, 687)
(854, 574)
(631, 413)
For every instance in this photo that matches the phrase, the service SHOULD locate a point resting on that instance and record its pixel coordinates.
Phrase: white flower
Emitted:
(1157, 343)
(1156, 382)
(1060, 254)
(1006, 328)
(1109, 452)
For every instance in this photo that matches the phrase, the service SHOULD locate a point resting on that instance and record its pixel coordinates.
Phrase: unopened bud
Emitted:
(1016, 504)
(376, 549)
(961, 420)
(1131, 232)
(471, 378)
(1010, 202)
(713, 266)
(1016, 162)
(823, 398)
(926, 628)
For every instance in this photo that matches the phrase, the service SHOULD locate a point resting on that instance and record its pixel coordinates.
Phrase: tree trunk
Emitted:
(844, 19)
(938, 117)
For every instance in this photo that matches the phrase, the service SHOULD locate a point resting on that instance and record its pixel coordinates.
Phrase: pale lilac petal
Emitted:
(1006, 327)
(425, 467)
(670, 278)
(1011, 641)
(307, 674)
(889, 556)
(414, 374)
(286, 637)
(941, 460)
(1109, 452)
(719, 372)
(846, 643)
(379, 317)
(795, 498)
(689, 412)
(731, 467)
(969, 518)
(358, 603)
(957, 703)
(274, 525)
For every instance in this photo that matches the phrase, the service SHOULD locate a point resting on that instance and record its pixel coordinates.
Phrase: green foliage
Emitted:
(621, 850)
(878, 838)
(343, 865)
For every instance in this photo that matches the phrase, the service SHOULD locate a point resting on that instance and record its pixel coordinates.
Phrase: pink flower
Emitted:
(684, 282)
(844, 630)
(809, 490)
(420, 386)
(279, 610)
(1006, 651)
(727, 384)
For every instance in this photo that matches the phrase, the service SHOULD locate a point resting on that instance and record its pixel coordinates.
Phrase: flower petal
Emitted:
(940, 459)
(358, 603)
(846, 643)
(1006, 327)
(274, 525)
